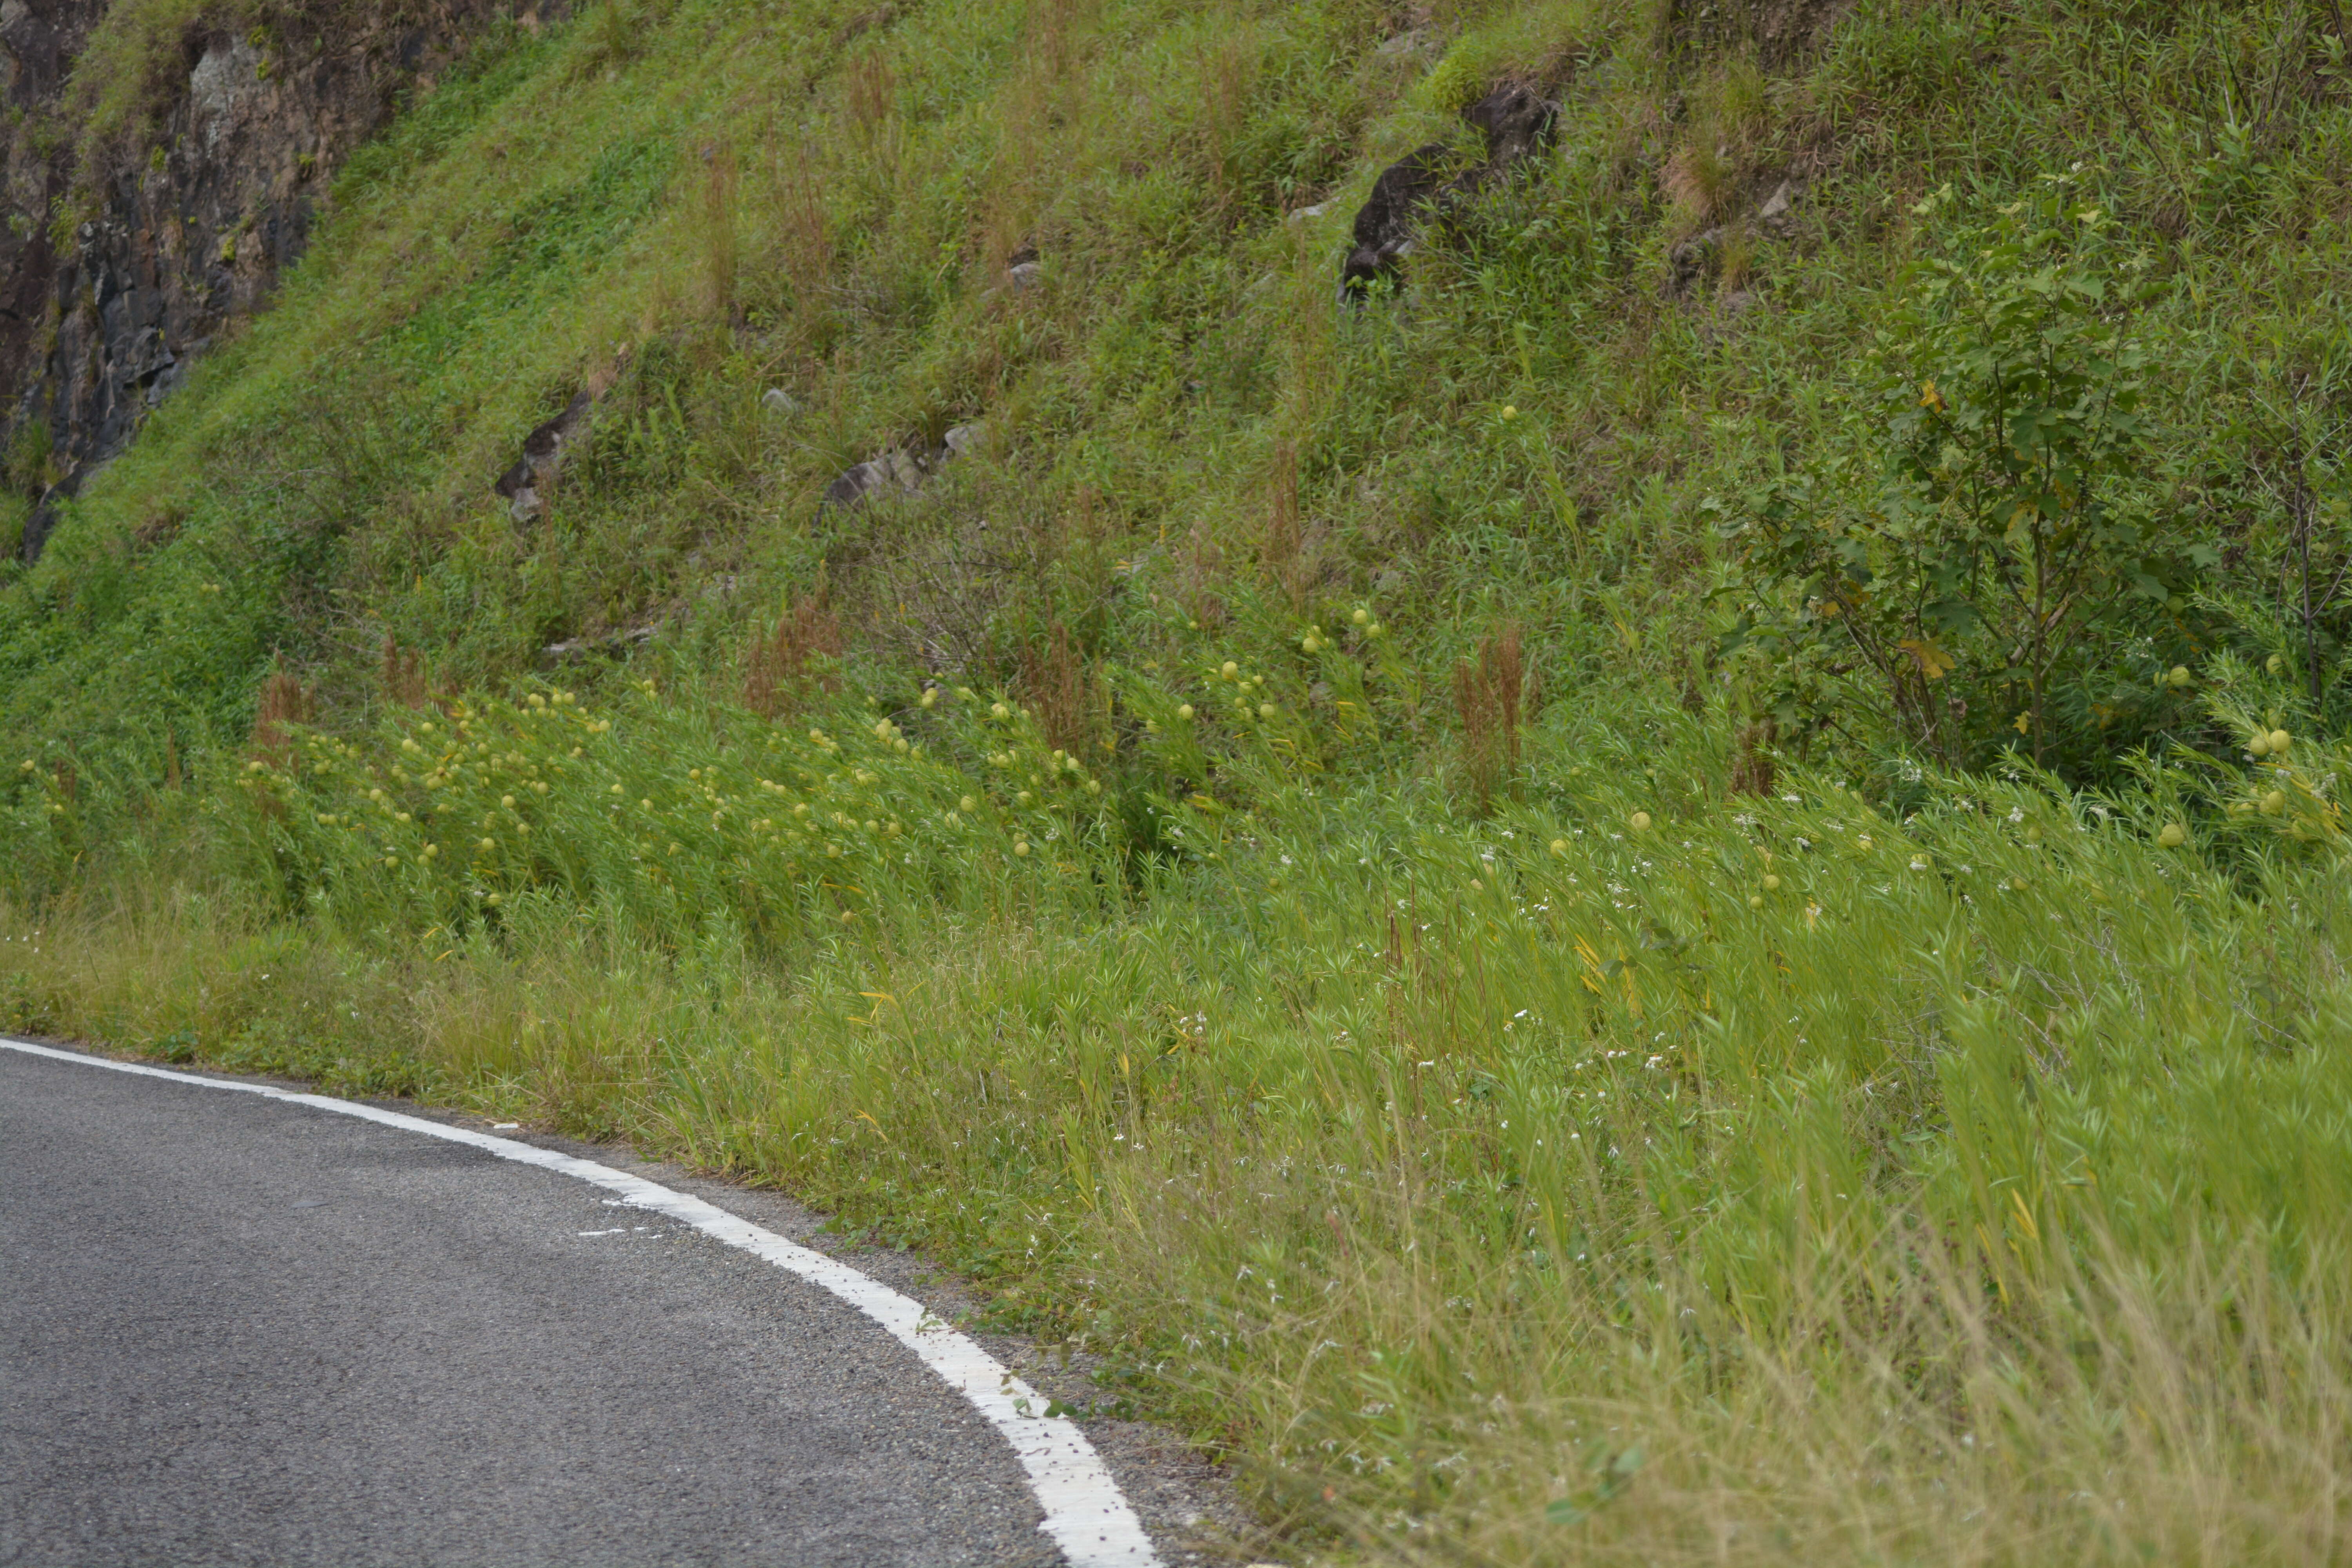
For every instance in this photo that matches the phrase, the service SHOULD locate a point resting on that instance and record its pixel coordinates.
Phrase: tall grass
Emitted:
(1723, 1181)
(1267, 863)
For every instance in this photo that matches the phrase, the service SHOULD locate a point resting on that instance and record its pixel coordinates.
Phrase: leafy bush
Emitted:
(1998, 527)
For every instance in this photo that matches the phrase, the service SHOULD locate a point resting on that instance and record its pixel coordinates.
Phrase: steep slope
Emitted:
(166, 165)
(1708, 639)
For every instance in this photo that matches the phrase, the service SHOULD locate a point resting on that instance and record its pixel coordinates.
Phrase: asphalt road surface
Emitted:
(236, 1330)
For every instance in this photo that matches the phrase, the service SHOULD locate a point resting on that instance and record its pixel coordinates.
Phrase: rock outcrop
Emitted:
(901, 471)
(185, 226)
(1516, 122)
(1389, 222)
(528, 484)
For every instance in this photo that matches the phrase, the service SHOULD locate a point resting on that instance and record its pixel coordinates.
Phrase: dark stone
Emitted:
(1692, 261)
(1517, 122)
(38, 527)
(1412, 194)
(1387, 222)
(543, 458)
(897, 470)
(853, 486)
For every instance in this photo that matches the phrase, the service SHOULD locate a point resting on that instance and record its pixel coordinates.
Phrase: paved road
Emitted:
(235, 1331)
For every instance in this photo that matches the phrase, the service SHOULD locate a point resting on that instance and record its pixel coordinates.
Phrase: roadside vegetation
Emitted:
(1675, 895)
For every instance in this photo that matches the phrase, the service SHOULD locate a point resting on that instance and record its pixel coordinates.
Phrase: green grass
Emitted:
(1668, 1129)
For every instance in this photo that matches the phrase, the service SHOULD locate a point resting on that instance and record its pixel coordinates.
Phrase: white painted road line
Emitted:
(1085, 1513)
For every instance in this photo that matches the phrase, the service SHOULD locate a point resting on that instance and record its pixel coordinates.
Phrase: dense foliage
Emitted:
(1675, 894)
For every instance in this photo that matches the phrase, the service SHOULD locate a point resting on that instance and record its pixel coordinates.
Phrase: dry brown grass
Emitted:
(1698, 180)
(1062, 692)
(801, 232)
(719, 232)
(402, 671)
(1753, 771)
(2202, 1415)
(779, 670)
(871, 106)
(285, 699)
(1495, 691)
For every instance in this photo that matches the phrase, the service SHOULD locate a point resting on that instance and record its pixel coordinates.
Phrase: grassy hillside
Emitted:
(1675, 893)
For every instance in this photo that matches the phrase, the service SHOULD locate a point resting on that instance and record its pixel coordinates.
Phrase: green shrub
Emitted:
(1995, 527)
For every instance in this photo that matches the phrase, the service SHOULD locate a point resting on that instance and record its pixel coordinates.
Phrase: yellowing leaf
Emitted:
(1933, 661)
(1929, 398)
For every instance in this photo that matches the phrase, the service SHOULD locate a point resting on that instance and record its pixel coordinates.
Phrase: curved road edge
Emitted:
(1087, 1514)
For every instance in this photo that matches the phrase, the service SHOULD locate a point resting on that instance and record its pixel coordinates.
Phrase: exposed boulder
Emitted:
(1024, 271)
(1516, 122)
(42, 522)
(1389, 221)
(895, 472)
(1777, 216)
(612, 644)
(1411, 44)
(901, 471)
(964, 440)
(543, 458)
(1690, 261)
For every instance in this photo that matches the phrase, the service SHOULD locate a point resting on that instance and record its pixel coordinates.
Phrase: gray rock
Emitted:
(900, 471)
(1025, 275)
(543, 452)
(39, 526)
(896, 472)
(854, 485)
(612, 643)
(225, 79)
(1777, 216)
